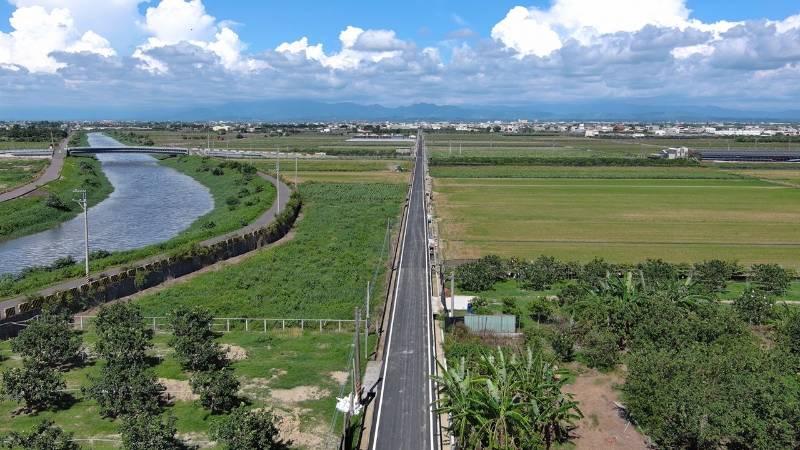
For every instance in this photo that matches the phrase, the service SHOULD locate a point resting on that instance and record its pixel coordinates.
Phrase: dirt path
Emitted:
(603, 425)
(51, 173)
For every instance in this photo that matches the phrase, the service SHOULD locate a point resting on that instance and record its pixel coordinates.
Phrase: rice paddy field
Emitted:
(621, 214)
(305, 142)
(341, 170)
(444, 145)
(16, 172)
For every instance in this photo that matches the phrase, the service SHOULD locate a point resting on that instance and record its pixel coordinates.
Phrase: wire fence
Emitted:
(230, 324)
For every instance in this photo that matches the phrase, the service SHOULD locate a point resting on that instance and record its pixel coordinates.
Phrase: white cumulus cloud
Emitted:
(358, 46)
(38, 33)
(541, 32)
(174, 22)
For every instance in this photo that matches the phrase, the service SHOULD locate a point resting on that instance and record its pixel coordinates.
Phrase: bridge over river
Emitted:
(127, 149)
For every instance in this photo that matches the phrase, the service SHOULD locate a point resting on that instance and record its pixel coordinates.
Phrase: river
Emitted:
(151, 203)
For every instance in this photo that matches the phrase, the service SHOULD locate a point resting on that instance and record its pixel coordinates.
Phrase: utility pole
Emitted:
(295, 171)
(85, 205)
(366, 324)
(278, 178)
(357, 358)
(452, 293)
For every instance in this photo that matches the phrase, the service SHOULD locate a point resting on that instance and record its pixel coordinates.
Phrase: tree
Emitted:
(754, 306)
(541, 309)
(122, 337)
(544, 272)
(713, 275)
(563, 343)
(49, 341)
(771, 278)
(122, 390)
(217, 389)
(44, 436)
(38, 386)
(250, 430)
(149, 432)
(601, 349)
(193, 340)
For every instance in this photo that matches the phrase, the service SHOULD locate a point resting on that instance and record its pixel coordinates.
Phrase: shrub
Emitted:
(39, 387)
(543, 273)
(541, 309)
(49, 341)
(149, 432)
(771, 278)
(193, 339)
(600, 349)
(44, 436)
(658, 271)
(563, 343)
(217, 389)
(55, 202)
(122, 337)
(713, 275)
(754, 306)
(125, 390)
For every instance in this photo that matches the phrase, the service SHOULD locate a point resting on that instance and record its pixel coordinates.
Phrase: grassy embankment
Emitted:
(16, 172)
(251, 194)
(321, 273)
(624, 214)
(31, 214)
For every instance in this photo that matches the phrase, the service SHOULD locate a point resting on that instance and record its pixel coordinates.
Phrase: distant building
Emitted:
(675, 153)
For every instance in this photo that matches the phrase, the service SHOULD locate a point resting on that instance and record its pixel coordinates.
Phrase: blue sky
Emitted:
(427, 21)
(729, 53)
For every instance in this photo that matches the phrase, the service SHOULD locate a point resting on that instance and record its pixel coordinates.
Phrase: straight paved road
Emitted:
(404, 418)
(52, 173)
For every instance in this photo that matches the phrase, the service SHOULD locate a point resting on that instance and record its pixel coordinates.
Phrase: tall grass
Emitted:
(321, 273)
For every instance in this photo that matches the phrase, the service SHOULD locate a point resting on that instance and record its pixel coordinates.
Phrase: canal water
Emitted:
(150, 204)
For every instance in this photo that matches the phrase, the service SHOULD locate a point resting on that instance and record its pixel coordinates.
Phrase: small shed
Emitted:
(496, 324)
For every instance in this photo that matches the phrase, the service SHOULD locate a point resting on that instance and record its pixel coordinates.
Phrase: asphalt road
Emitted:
(404, 418)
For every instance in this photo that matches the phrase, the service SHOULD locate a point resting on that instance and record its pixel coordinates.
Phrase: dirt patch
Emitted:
(234, 352)
(340, 377)
(298, 394)
(179, 390)
(603, 424)
(290, 425)
(196, 440)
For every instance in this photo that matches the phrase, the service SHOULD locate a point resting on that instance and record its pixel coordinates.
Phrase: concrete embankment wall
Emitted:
(133, 280)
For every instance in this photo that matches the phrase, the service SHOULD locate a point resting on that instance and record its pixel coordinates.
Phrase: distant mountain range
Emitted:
(653, 110)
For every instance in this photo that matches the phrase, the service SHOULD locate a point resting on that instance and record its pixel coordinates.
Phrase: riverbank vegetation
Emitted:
(16, 172)
(240, 196)
(699, 370)
(35, 135)
(52, 204)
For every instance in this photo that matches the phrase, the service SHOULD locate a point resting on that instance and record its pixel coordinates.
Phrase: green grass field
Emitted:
(29, 214)
(16, 172)
(20, 145)
(341, 170)
(623, 220)
(581, 172)
(321, 273)
(255, 196)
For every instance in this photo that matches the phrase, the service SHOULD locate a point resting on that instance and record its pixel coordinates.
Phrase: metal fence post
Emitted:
(228, 325)
(265, 325)
(81, 317)
(154, 324)
(246, 324)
